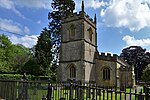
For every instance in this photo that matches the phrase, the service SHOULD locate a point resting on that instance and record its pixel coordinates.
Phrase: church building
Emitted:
(81, 61)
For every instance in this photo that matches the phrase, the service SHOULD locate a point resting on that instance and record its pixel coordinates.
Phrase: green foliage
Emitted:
(43, 52)
(4, 41)
(146, 73)
(5, 45)
(136, 56)
(61, 8)
(32, 67)
(47, 48)
(10, 76)
(19, 77)
(12, 57)
(19, 56)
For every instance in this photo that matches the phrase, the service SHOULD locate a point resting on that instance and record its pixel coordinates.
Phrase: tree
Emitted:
(43, 52)
(18, 57)
(32, 67)
(136, 56)
(4, 41)
(5, 45)
(12, 57)
(146, 73)
(61, 8)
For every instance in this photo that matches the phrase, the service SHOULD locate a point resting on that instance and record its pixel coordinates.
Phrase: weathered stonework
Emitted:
(79, 49)
(121, 74)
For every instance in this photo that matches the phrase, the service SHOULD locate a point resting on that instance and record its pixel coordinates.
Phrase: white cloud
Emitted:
(131, 41)
(10, 5)
(132, 14)
(146, 1)
(39, 22)
(19, 14)
(46, 4)
(90, 4)
(9, 25)
(94, 3)
(26, 30)
(7, 4)
(27, 41)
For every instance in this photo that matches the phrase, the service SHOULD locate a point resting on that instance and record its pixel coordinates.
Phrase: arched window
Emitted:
(90, 33)
(72, 71)
(72, 32)
(106, 74)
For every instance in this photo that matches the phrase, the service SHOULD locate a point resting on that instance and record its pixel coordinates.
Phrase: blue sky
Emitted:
(120, 23)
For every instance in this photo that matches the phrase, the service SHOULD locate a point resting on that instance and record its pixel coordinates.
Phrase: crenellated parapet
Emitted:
(112, 58)
(81, 15)
(107, 57)
(78, 16)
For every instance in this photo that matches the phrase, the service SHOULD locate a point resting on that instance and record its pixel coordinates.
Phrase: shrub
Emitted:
(10, 76)
(146, 73)
(19, 77)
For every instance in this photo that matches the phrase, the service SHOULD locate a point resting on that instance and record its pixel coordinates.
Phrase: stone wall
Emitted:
(63, 71)
(121, 74)
(71, 51)
(100, 65)
(89, 72)
(78, 30)
(80, 50)
(126, 77)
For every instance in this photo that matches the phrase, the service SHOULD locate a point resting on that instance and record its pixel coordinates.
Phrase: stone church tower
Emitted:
(78, 47)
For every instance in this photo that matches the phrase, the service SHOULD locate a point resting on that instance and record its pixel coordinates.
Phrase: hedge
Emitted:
(19, 77)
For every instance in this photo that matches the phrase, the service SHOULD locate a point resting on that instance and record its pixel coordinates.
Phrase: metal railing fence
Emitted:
(44, 90)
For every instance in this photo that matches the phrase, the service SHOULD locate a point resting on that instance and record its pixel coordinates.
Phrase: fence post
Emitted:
(80, 91)
(49, 91)
(147, 96)
(146, 91)
(71, 91)
(88, 92)
(23, 88)
(93, 92)
(140, 96)
(44, 98)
